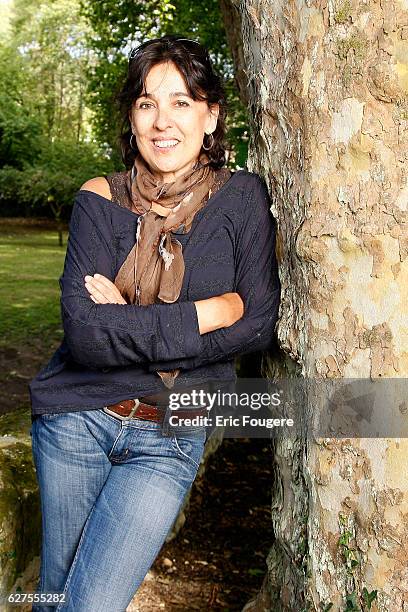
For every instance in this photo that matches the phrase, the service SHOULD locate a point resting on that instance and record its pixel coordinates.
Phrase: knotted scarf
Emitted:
(153, 271)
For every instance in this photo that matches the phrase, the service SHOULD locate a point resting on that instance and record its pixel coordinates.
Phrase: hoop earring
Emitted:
(130, 142)
(211, 139)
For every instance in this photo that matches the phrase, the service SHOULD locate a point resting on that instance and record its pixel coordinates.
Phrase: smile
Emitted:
(165, 144)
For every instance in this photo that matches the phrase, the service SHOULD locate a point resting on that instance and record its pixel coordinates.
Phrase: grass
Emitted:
(31, 264)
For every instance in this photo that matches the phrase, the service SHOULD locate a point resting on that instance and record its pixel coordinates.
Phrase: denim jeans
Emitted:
(110, 492)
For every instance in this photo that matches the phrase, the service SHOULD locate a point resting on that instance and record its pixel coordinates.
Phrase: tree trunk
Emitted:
(326, 86)
(60, 234)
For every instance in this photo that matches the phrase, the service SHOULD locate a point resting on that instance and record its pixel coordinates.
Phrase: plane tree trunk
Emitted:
(326, 86)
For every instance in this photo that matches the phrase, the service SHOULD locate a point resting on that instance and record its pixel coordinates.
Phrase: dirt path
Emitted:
(18, 365)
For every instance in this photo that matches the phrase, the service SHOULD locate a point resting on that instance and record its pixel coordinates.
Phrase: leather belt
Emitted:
(134, 408)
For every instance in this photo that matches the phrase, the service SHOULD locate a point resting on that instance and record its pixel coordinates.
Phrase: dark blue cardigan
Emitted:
(111, 352)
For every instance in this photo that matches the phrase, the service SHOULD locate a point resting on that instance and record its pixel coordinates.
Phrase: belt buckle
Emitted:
(119, 416)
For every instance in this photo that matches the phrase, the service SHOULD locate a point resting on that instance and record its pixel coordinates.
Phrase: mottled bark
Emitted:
(233, 24)
(327, 88)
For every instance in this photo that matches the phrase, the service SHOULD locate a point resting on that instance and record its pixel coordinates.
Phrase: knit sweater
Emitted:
(112, 352)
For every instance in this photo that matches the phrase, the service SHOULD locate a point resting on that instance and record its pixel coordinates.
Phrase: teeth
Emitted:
(162, 144)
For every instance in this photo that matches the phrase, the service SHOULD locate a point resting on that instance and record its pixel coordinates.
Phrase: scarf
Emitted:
(153, 271)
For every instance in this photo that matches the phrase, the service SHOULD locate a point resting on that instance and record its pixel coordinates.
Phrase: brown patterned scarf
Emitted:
(153, 271)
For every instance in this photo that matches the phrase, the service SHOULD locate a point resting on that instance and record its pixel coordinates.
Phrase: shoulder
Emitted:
(98, 185)
(249, 181)
(87, 209)
(248, 184)
(253, 191)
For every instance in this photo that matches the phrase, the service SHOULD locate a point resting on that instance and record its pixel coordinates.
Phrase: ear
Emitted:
(214, 111)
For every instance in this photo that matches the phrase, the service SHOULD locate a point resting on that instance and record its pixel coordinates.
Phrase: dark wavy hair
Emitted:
(193, 62)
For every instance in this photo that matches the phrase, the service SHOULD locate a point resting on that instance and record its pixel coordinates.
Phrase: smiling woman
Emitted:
(168, 124)
(170, 273)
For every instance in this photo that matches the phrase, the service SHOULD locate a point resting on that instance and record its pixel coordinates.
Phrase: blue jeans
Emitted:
(110, 492)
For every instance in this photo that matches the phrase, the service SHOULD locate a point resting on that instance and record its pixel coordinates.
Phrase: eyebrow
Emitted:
(173, 94)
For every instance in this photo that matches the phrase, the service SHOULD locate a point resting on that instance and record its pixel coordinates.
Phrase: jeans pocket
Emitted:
(189, 446)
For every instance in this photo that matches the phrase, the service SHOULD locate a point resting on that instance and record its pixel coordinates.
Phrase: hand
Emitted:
(219, 311)
(102, 290)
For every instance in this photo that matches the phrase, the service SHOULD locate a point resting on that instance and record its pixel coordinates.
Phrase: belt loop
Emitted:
(167, 430)
(135, 407)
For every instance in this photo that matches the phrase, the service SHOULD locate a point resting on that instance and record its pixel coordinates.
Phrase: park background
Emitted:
(318, 96)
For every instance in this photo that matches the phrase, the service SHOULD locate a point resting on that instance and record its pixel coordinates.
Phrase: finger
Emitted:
(109, 289)
(100, 280)
(97, 285)
(104, 281)
(94, 291)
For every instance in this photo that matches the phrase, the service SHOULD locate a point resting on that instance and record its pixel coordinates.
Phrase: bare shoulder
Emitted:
(98, 185)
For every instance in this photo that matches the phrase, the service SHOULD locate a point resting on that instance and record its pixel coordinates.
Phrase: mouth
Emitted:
(165, 145)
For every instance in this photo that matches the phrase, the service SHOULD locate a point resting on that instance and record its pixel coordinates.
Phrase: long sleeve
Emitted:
(256, 281)
(106, 335)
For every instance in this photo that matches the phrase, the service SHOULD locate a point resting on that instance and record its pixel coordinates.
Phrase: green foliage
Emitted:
(353, 600)
(202, 22)
(20, 129)
(369, 597)
(351, 603)
(49, 37)
(349, 553)
(46, 146)
(54, 178)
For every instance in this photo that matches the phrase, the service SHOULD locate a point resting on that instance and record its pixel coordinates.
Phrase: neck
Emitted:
(167, 177)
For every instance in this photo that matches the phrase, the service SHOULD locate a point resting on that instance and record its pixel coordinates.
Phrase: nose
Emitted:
(162, 119)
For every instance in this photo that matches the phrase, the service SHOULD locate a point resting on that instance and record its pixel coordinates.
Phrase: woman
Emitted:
(170, 273)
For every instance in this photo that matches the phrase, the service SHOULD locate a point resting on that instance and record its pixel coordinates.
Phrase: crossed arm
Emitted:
(102, 330)
(213, 313)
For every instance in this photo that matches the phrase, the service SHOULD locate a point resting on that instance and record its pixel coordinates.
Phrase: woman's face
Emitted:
(168, 125)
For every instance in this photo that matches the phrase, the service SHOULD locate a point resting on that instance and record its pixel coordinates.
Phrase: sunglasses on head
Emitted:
(137, 50)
